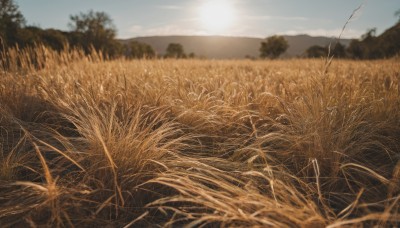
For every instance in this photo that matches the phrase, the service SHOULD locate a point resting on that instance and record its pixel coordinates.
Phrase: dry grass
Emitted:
(89, 142)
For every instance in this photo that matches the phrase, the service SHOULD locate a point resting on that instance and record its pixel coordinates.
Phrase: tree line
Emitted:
(369, 46)
(96, 31)
(88, 31)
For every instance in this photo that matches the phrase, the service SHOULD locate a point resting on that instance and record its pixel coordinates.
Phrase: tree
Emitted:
(11, 21)
(397, 14)
(54, 39)
(316, 51)
(369, 35)
(97, 30)
(29, 36)
(192, 55)
(274, 47)
(370, 44)
(339, 50)
(355, 49)
(175, 50)
(389, 41)
(139, 50)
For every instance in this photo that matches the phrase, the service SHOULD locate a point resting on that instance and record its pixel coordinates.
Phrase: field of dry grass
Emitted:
(88, 142)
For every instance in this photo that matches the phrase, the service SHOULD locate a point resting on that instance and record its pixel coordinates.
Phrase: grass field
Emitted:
(287, 143)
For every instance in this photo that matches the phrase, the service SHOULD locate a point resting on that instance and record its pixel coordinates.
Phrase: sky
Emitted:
(246, 18)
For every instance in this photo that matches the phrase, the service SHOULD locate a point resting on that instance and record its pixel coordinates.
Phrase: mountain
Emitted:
(224, 47)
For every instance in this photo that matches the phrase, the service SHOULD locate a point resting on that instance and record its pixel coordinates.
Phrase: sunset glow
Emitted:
(217, 16)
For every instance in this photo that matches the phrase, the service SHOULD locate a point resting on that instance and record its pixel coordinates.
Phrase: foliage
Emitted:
(389, 41)
(90, 30)
(31, 36)
(397, 14)
(11, 21)
(316, 51)
(339, 50)
(356, 49)
(273, 47)
(371, 46)
(97, 30)
(139, 50)
(369, 35)
(175, 50)
(54, 38)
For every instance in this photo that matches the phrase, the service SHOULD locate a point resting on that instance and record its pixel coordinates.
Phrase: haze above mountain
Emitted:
(224, 47)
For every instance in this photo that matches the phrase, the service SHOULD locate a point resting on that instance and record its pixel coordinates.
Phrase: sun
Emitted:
(217, 16)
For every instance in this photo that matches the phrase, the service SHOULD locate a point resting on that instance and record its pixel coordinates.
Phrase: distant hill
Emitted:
(223, 47)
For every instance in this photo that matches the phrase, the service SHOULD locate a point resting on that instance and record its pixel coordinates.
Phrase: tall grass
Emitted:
(89, 142)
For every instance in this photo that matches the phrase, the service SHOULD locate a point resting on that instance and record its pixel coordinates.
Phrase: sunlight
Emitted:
(217, 16)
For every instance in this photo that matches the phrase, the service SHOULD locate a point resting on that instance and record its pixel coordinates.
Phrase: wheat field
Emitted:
(88, 142)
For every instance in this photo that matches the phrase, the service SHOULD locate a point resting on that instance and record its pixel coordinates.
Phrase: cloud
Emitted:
(281, 18)
(246, 31)
(173, 30)
(137, 30)
(187, 27)
(128, 32)
(169, 7)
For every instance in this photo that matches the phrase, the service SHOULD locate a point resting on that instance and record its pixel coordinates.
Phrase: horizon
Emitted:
(228, 36)
(235, 18)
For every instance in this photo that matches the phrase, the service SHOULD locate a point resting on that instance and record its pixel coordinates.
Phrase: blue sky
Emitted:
(253, 18)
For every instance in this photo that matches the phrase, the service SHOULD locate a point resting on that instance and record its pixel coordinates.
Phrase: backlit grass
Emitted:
(87, 142)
